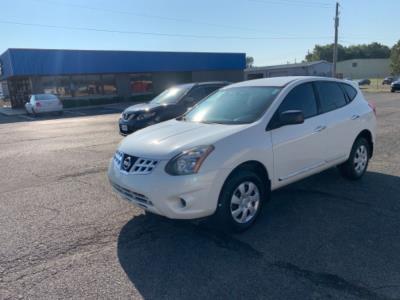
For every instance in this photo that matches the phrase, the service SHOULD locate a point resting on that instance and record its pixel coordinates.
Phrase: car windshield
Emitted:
(239, 105)
(171, 95)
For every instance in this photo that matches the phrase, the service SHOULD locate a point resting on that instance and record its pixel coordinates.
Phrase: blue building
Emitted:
(126, 74)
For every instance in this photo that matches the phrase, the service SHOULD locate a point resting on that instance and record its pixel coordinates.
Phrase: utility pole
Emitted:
(335, 46)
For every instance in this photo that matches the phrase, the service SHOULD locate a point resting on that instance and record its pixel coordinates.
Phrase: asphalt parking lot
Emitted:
(65, 234)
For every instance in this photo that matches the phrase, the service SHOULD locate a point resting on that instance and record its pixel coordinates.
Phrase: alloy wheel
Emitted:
(245, 202)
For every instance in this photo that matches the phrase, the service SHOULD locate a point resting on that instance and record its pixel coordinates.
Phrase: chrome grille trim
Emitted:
(118, 158)
(131, 195)
(141, 166)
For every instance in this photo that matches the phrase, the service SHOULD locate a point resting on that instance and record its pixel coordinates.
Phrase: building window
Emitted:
(141, 83)
(109, 85)
(79, 85)
(87, 85)
(57, 85)
(354, 65)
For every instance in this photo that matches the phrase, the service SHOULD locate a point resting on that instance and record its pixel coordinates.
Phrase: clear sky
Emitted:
(272, 31)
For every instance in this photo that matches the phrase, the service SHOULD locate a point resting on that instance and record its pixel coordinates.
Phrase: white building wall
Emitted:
(364, 68)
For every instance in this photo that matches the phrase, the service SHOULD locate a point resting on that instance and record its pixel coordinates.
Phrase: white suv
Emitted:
(225, 155)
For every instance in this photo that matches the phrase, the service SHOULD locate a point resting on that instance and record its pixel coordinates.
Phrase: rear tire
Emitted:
(240, 201)
(356, 166)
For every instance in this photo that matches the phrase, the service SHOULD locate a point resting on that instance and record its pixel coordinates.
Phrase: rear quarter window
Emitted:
(349, 90)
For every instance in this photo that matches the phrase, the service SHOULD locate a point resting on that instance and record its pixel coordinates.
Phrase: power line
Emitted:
(150, 16)
(298, 3)
(159, 33)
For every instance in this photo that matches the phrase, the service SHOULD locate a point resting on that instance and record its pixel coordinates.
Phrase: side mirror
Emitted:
(291, 117)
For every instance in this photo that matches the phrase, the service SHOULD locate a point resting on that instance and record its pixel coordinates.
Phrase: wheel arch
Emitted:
(368, 136)
(252, 165)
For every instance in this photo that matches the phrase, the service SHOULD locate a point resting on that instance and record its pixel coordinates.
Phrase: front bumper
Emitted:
(127, 127)
(162, 194)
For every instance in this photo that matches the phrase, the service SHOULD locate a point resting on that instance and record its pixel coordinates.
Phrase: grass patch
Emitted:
(376, 86)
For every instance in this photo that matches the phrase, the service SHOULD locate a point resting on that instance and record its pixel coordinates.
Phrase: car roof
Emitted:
(184, 85)
(190, 85)
(277, 81)
(44, 94)
(213, 83)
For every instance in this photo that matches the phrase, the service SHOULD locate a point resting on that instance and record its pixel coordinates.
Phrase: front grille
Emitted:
(143, 166)
(131, 195)
(134, 165)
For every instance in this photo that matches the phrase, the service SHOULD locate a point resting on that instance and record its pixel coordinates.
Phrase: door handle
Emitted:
(355, 117)
(320, 128)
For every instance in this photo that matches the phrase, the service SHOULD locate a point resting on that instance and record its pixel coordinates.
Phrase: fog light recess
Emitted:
(183, 202)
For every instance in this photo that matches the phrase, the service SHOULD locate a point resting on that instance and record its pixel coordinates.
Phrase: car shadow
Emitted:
(303, 246)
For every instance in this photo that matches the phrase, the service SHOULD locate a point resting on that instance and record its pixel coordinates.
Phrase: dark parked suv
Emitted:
(170, 104)
(395, 86)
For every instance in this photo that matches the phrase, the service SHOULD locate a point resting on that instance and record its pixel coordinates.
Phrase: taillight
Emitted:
(373, 106)
(38, 104)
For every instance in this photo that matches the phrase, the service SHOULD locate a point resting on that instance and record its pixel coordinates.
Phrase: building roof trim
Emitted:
(41, 62)
(285, 66)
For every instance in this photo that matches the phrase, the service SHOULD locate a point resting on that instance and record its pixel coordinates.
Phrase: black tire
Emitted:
(223, 217)
(392, 90)
(352, 170)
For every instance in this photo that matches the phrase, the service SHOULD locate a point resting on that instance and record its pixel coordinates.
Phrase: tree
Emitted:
(325, 52)
(249, 61)
(395, 58)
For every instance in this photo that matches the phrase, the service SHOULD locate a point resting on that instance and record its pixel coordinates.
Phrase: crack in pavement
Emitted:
(379, 212)
(330, 280)
(243, 249)
(100, 237)
(20, 268)
(83, 173)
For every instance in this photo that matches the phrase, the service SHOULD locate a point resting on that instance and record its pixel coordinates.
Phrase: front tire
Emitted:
(240, 201)
(356, 166)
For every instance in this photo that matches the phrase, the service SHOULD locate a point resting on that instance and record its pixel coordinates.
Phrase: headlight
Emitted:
(188, 162)
(146, 116)
(127, 116)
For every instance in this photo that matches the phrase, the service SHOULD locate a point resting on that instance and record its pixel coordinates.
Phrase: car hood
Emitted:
(167, 139)
(143, 107)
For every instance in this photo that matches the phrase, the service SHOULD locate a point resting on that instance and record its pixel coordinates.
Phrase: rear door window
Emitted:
(197, 93)
(302, 98)
(331, 96)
